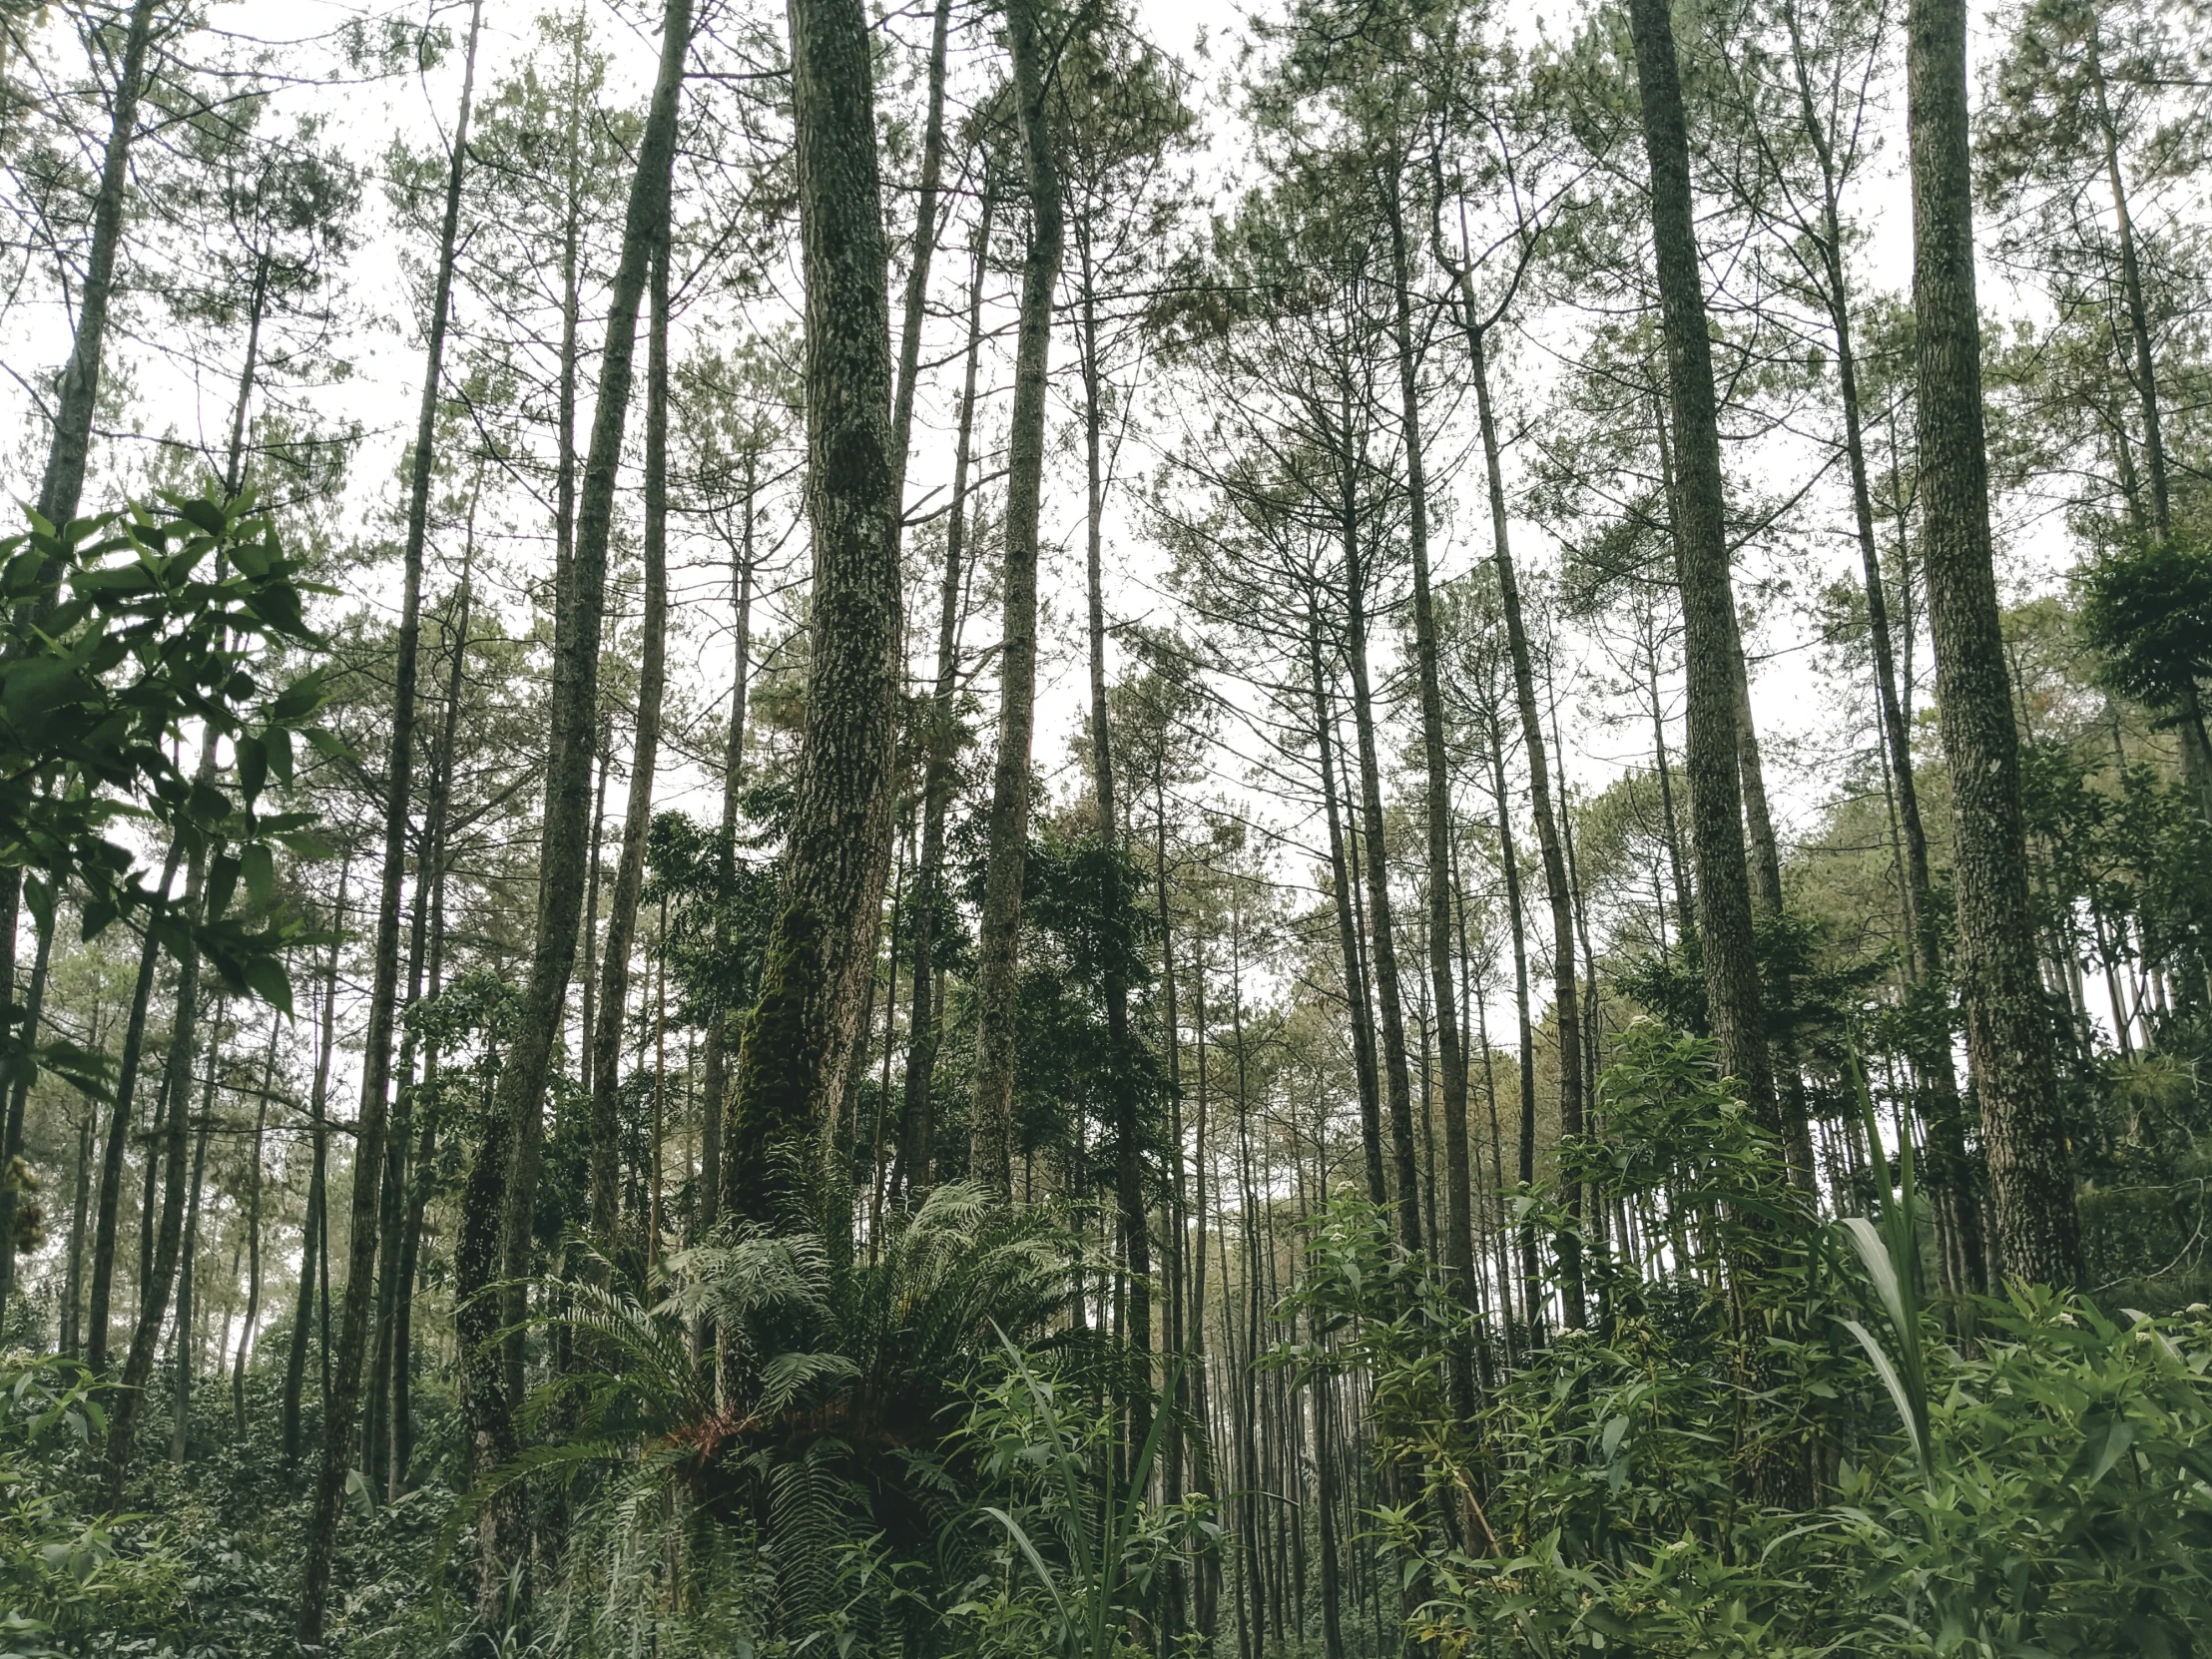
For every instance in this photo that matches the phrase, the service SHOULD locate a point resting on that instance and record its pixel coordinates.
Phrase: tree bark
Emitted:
(917, 1151)
(998, 955)
(119, 1123)
(1452, 1057)
(645, 754)
(64, 479)
(312, 1223)
(371, 1124)
(798, 1045)
(1343, 880)
(154, 1292)
(1566, 1003)
(1707, 609)
(2009, 1038)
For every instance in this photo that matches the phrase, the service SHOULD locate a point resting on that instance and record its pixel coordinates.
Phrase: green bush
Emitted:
(1603, 1501)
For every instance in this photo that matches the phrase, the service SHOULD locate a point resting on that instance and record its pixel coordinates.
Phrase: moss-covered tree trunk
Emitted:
(2008, 1037)
(1708, 608)
(799, 1040)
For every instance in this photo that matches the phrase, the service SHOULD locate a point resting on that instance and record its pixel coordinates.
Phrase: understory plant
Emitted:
(1080, 1545)
(2044, 1492)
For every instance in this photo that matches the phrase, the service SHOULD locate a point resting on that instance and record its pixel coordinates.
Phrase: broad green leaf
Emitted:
(2117, 1438)
(1895, 1383)
(258, 867)
(1036, 1561)
(298, 700)
(265, 978)
(252, 761)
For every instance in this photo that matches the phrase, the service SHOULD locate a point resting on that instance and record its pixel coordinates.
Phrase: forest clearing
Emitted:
(1077, 828)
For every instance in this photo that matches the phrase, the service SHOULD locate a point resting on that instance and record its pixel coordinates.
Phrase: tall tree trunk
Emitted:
(603, 753)
(1707, 609)
(399, 1407)
(1346, 887)
(1451, 1059)
(73, 1291)
(565, 387)
(233, 461)
(1121, 1058)
(923, 255)
(1382, 942)
(371, 1125)
(2131, 284)
(392, 1200)
(2009, 1038)
(917, 1151)
(1516, 920)
(64, 479)
(1767, 900)
(1677, 873)
(109, 1220)
(312, 1225)
(998, 953)
(645, 754)
(18, 1106)
(714, 1059)
(161, 1279)
(76, 398)
(181, 1341)
(1951, 1173)
(1566, 1004)
(502, 1189)
(923, 252)
(819, 958)
(247, 1327)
